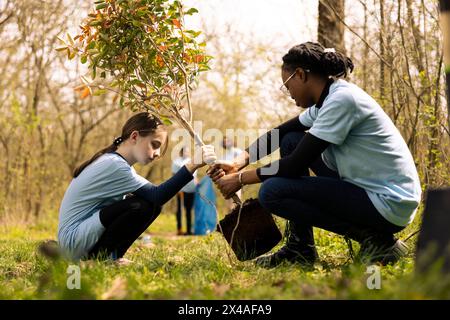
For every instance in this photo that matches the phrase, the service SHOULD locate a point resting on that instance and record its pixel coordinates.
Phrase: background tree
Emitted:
(445, 23)
(330, 31)
(46, 128)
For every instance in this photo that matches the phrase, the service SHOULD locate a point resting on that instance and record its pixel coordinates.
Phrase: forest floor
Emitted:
(200, 267)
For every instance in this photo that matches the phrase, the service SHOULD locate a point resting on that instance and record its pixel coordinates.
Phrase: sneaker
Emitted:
(371, 253)
(286, 254)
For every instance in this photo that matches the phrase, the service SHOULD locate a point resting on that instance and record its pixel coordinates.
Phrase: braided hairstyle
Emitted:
(314, 57)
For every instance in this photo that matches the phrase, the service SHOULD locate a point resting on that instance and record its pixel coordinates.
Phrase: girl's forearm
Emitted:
(192, 167)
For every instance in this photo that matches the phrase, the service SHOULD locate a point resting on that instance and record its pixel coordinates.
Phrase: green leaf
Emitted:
(191, 11)
(91, 45)
(70, 39)
(194, 33)
(101, 6)
(83, 59)
(136, 23)
(94, 23)
(166, 121)
(99, 92)
(113, 84)
(92, 51)
(104, 37)
(71, 54)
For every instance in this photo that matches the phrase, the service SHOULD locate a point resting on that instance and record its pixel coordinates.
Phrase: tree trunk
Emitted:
(382, 54)
(330, 31)
(445, 23)
(366, 52)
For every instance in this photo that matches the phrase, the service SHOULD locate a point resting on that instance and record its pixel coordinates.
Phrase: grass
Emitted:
(198, 267)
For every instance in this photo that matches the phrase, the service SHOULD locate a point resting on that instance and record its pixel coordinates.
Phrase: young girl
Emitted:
(366, 185)
(95, 219)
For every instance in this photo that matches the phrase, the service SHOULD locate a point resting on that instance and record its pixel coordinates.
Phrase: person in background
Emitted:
(186, 196)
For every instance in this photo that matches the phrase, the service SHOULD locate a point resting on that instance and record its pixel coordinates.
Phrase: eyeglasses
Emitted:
(284, 88)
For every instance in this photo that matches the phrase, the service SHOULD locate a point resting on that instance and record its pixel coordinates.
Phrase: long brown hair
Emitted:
(143, 122)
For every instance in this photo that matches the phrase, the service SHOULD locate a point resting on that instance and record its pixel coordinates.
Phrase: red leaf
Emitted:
(85, 93)
(177, 23)
(199, 58)
(160, 60)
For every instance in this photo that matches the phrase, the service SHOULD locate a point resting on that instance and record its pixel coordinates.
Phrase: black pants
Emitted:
(124, 221)
(188, 202)
(324, 201)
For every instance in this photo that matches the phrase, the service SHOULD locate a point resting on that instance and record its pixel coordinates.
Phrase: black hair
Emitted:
(312, 56)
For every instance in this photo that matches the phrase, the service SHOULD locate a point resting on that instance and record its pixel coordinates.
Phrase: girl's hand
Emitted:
(208, 155)
(228, 184)
(208, 158)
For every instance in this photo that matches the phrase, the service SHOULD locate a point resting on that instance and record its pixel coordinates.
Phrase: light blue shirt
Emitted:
(104, 182)
(367, 150)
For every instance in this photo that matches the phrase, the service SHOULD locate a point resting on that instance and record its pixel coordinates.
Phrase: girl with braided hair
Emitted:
(366, 185)
(96, 220)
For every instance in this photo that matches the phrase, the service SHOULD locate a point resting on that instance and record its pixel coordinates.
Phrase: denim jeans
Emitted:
(324, 201)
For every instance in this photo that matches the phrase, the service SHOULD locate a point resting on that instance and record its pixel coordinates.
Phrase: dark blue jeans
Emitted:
(186, 200)
(324, 201)
(124, 222)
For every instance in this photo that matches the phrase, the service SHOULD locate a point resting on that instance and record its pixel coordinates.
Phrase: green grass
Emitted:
(198, 267)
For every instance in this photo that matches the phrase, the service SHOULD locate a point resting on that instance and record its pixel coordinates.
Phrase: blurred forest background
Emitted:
(47, 129)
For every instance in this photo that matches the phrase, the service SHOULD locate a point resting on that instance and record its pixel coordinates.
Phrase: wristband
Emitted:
(240, 179)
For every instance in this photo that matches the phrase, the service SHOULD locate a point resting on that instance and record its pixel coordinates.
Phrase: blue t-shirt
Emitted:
(367, 150)
(104, 182)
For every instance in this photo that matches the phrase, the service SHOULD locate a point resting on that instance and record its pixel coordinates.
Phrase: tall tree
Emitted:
(445, 22)
(330, 31)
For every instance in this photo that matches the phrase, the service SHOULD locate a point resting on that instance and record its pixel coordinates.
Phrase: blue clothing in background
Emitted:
(205, 211)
